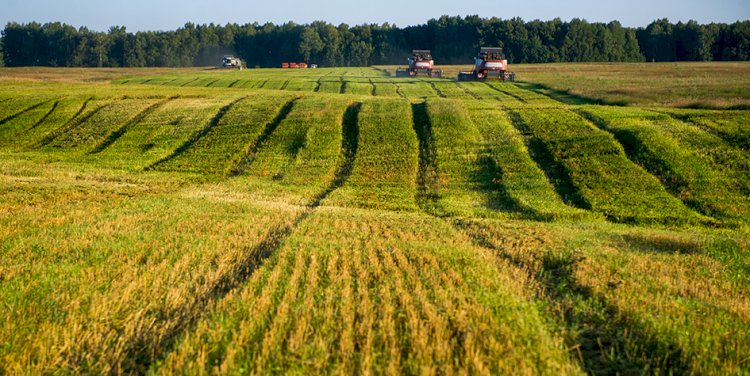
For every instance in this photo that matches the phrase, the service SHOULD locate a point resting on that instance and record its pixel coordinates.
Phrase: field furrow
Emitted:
(159, 133)
(344, 221)
(222, 145)
(697, 167)
(590, 169)
(25, 119)
(387, 160)
(65, 111)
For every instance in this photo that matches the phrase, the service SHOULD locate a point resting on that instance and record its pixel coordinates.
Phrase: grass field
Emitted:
(338, 220)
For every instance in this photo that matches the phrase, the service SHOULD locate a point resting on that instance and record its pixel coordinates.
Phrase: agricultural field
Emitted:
(340, 220)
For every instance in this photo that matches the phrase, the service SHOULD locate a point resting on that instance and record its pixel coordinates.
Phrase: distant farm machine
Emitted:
(489, 63)
(231, 62)
(420, 62)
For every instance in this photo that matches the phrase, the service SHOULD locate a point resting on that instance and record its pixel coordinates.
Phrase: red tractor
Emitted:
(490, 62)
(420, 62)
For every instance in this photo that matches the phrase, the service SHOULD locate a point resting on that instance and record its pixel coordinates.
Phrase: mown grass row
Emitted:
(731, 126)
(387, 159)
(590, 169)
(519, 183)
(702, 170)
(228, 138)
(300, 156)
(368, 85)
(618, 315)
(359, 292)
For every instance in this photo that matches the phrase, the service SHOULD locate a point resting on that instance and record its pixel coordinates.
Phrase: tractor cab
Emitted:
(420, 61)
(489, 62)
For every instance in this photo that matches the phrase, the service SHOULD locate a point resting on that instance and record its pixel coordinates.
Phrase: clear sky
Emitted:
(139, 15)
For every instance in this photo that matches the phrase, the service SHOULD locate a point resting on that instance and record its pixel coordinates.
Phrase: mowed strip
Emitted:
(111, 115)
(412, 89)
(385, 88)
(66, 110)
(387, 159)
(699, 168)
(13, 107)
(731, 126)
(484, 91)
(299, 158)
(161, 132)
(360, 292)
(518, 183)
(228, 141)
(110, 278)
(19, 120)
(592, 167)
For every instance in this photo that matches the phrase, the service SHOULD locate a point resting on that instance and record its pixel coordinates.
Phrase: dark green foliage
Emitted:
(453, 40)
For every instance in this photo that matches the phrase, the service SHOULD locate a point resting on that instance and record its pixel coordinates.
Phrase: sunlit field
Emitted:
(588, 218)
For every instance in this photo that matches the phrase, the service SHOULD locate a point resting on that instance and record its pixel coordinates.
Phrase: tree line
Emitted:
(453, 40)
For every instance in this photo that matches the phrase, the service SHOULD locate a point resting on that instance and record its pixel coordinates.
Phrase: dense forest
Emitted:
(453, 40)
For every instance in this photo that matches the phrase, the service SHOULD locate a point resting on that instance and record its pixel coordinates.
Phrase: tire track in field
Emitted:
(114, 136)
(197, 136)
(515, 96)
(284, 85)
(252, 258)
(51, 110)
(233, 83)
(437, 91)
(190, 82)
(469, 92)
(557, 174)
(71, 124)
(250, 151)
(19, 113)
(602, 334)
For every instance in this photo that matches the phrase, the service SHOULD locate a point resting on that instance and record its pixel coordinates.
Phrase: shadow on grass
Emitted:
(428, 195)
(566, 97)
(605, 339)
(144, 351)
(248, 156)
(489, 179)
(197, 136)
(114, 136)
(556, 173)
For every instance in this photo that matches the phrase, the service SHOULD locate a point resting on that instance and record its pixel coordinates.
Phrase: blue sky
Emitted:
(169, 14)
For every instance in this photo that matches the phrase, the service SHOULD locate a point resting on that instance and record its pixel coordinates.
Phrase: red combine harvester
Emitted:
(293, 65)
(285, 65)
(420, 62)
(490, 62)
(302, 65)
